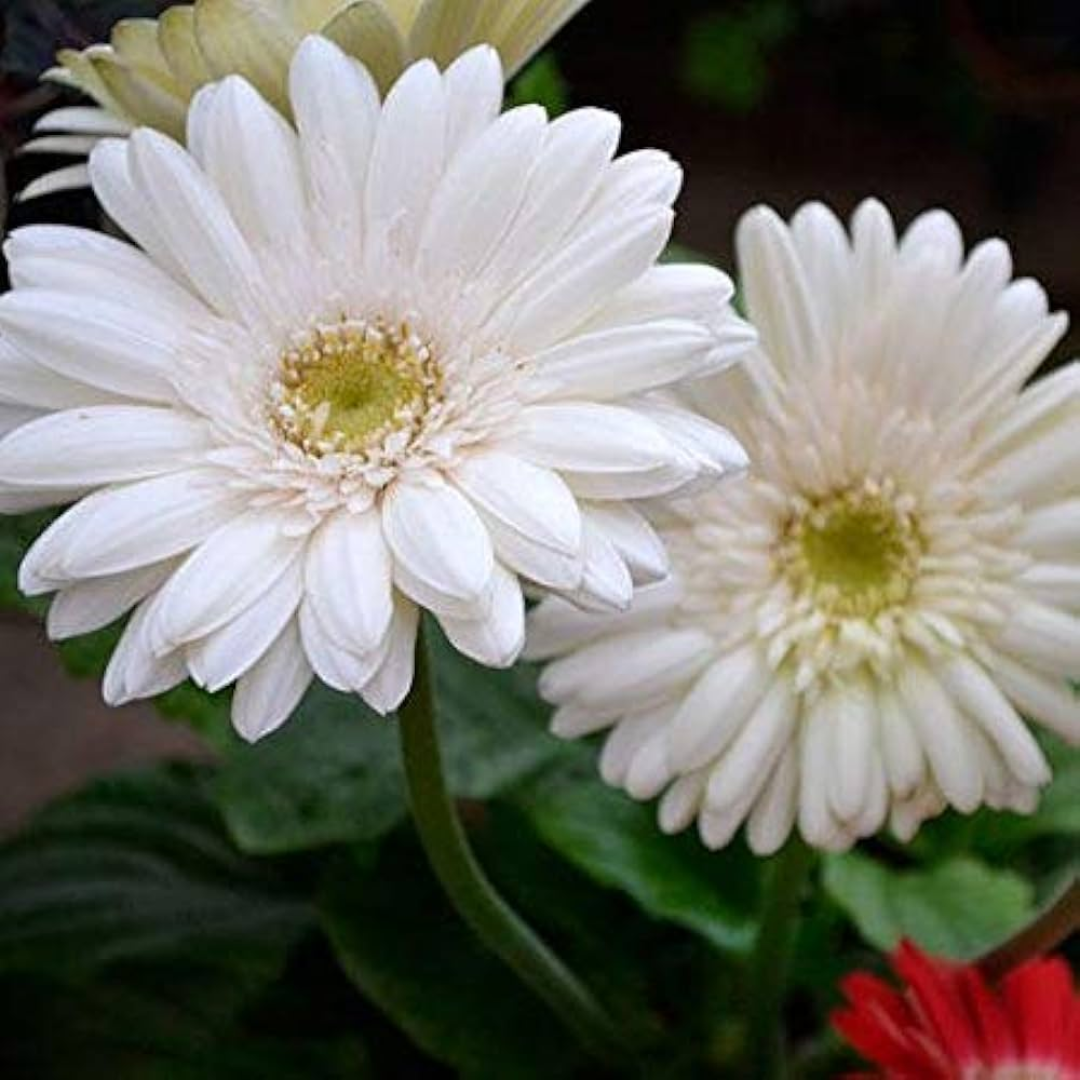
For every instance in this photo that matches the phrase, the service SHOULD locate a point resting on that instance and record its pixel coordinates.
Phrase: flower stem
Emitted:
(771, 961)
(1058, 922)
(469, 889)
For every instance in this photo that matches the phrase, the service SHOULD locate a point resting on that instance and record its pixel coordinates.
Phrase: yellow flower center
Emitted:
(347, 388)
(856, 551)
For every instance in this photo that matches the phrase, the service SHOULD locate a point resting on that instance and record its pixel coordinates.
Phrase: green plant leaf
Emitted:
(618, 843)
(959, 908)
(134, 867)
(333, 773)
(411, 955)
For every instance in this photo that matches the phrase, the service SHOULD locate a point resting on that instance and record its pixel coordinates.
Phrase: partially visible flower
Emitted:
(401, 358)
(151, 68)
(948, 1023)
(855, 630)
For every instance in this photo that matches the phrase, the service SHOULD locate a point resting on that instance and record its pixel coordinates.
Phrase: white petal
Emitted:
(674, 291)
(743, 770)
(121, 529)
(606, 582)
(682, 801)
(348, 573)
(225, 575)
(336, 104)
(90, 605)
(981, 699)
(61, 258)
(223, 656)
(26, 382)
(438, 539)
(773, 816)
(87, 120)
(252, 157)
(104, 343)
(941, 729)
(717, 707)
(1043, 636)
(627, 739)
(102, 444)
(477, 199)
(854, 730)
(267, 695)
(15, 416)
(610, 364)
(337, 668)
(196, 227)
(778, 295)
(390, 684)
(134, 670)
(497, 639)
(556, 626)
(904, 760)
(69, 178)
(572, 284)
(474, 91)
(406, 162)
(1052, 531)
(1050, 701)
(629, 670)
(634, 539)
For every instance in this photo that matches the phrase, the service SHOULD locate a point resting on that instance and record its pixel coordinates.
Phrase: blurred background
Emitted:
(973, 106)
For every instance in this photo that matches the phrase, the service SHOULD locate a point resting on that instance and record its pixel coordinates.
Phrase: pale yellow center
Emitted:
(348, 388)
(855, 552)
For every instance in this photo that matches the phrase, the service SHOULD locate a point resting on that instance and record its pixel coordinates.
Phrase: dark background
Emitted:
(972, 106)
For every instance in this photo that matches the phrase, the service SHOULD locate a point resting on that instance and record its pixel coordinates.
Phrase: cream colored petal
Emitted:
(403, 12)
(176, 37)
(135, 42)
(83, 76)
(444, 29)
(255, 40)
(519, 30)
(366, 31)
(310, 16)
(141, 97)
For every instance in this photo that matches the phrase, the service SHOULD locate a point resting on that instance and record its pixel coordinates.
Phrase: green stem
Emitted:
(771, 961)
(469, 889)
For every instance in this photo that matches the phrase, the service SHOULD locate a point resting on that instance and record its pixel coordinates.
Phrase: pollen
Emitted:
(353, 387)
(855, 552)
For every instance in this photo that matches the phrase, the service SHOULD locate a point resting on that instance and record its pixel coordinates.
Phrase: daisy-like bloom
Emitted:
(948, 1023)
(151, 69)
(392, 359)
(854, 630)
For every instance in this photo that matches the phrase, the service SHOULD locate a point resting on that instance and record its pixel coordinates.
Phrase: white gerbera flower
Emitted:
(853, 630)
(393, 361)
(151, 68)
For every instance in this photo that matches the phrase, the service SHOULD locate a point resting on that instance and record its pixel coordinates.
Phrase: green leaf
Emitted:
(959, 909)
(333, 773)
(133, 867)
(618, 843)
(412, 956)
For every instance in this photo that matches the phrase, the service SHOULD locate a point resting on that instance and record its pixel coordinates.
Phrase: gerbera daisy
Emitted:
(853, 630)
(393, 360)
(947, 1023)
(150, 70)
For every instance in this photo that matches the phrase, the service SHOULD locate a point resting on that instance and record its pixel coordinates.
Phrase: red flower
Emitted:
(947, 1023)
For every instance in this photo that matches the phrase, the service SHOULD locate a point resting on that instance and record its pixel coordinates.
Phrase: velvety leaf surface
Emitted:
(137, 866)
(959, 908)
(333, 773)
(410, 954)
(617, 842)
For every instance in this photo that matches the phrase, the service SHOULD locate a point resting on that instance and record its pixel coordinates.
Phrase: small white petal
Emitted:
(497, 639)
(389, 686)
(267, 695)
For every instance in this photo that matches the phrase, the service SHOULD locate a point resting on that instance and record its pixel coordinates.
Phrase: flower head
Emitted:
(854, 629)
(151, 68)
(396, 358)
(947, 1023)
